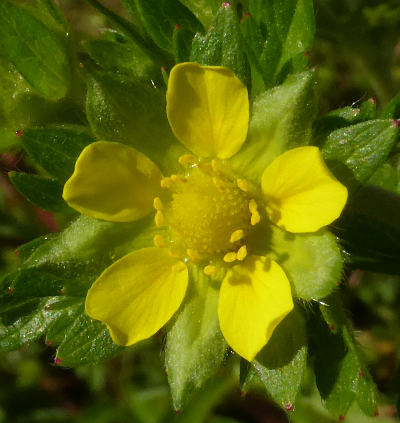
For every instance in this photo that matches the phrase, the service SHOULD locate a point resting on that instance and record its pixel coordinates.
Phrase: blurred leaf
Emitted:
(56, 149)
(132, 113)
(35, 51)
(222, 45)
(281, 119)
(355, 152)
(195, 345)
(42, 192)
(278, 34)
(281, 363)
(160, 17)
(369, 230)
(203, 9)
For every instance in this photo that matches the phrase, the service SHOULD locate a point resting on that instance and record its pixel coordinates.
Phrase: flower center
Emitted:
(208, 212)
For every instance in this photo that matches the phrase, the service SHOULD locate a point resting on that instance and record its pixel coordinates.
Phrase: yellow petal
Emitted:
(301, 193)
(114, 182)
(254, 297)
(138, 294)
(208, 109)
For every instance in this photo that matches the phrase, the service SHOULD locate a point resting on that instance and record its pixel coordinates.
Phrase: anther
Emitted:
(242, 184)
(193, 255)
(157, 204)
(187, 159)
(158, 241)
(242, 253)
(230, 257)
(253, 206)
(210, 270)
(237, 236)
(159, 218)
(255, 218)
(166, 182)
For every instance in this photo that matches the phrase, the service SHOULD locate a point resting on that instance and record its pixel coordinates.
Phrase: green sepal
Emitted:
(38, 54)
(281, 119)
(205, 10)
(278, 36)
(355, 152)
(392, 109)
(42, 192)
(312, 262)
(341, 373)
(160, 17)
(56, 149)
(195, 346)
(222, 45)
(122, 55)
(181, 44)
(132, 113)
(280, 366)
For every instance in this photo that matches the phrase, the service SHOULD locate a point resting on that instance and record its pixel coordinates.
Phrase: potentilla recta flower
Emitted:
(208, 216)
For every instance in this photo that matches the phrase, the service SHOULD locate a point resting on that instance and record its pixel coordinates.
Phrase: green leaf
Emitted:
(222, 45)
(132, 113)
(28, 328)
(281, 119)
(85, 342)
(277, 35)
(281, 363)
(341, 374)
(37, 53)
(122, 55)
(195, 345)
(355, 152)
(392, 109)
(312, 262)
(56, 149)
(160, 17)
(42, 192)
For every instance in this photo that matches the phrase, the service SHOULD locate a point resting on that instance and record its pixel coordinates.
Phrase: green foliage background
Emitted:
(356, 55)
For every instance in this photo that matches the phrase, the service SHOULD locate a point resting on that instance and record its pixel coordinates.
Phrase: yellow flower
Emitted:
(207, 215)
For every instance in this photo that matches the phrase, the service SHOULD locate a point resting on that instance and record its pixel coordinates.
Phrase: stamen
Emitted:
(187, 159)
(242, 253)
(255, 218)
(193, 255)
(166, 182)
(158, 241)
(230, 257)
(159, 218)
(237, 236)
(157, 204)
(253, 207)
(242, 184)
(210, 270)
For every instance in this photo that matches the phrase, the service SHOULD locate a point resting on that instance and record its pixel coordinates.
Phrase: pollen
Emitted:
(207, 212)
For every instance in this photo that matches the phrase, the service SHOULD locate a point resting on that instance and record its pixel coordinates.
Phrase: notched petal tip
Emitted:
(208, 109)
(114, 182)
(254, 298)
